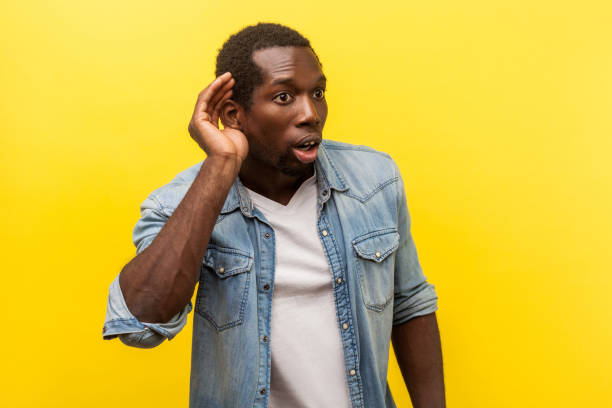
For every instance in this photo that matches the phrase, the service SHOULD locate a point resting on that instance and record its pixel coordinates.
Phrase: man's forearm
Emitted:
(419, 355)
(159, 282)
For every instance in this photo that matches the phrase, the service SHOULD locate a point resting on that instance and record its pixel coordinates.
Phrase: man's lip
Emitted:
(306, 156)
(313, 137)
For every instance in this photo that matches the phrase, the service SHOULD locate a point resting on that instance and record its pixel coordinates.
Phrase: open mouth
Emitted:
(306, 146)
(307, 152)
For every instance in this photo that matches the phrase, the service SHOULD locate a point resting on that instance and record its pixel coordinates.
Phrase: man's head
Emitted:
(236, 55)
(278, 100)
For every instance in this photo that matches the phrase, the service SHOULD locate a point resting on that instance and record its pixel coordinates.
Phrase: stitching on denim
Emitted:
(127, 319)
(240, 318)
(371, 234)
(346, 289)
(369, 256)
(257, 223)
(208, 316)
(201, 310)
(159, 330)
(373, 192)
(380, 307)
(117, 323)
(234, 253)
(245, 296)
(269, 314)
(377, 307)
(231, 251)
(372, 257)
(331, 164)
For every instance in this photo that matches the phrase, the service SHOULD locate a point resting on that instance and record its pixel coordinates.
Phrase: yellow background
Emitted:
(498, 113)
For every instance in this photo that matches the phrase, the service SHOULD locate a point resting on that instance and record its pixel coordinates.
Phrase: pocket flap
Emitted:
(377, 245)
(227, 261)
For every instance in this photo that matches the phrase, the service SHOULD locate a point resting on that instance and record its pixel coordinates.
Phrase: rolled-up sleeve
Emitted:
(119, 321)
(413, 295)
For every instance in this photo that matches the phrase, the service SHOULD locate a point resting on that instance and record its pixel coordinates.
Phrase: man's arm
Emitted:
(159, 281)
(419, 355)
(415, 335)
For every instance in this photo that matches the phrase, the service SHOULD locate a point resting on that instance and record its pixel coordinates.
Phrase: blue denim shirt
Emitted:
(364, 226)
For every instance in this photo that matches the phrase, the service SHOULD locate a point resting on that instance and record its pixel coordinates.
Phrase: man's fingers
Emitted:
(224, 98)
(217, 111)
(219, 95)
(214, 86)
(205, 96)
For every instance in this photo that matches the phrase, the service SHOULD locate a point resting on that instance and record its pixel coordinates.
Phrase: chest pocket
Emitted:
(224, 283)
(375, 264)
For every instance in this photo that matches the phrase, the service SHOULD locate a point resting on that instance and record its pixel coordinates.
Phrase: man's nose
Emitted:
(309, 116)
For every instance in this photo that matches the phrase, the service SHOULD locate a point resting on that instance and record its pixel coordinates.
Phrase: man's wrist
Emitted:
(225, 163)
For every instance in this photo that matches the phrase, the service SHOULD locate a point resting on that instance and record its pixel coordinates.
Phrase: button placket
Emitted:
(340, 271)
(265, 235)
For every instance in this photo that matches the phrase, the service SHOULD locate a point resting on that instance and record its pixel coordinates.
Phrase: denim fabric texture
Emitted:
(364, 226)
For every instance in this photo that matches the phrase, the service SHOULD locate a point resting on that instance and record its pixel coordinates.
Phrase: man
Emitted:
(301, 248)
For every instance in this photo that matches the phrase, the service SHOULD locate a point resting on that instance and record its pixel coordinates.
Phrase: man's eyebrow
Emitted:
(278, 81)
(289, 80)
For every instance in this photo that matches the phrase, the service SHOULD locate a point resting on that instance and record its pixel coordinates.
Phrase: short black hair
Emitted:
(236, 55)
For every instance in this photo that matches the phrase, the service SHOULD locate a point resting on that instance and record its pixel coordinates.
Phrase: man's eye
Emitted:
(319, 93)
(283, 97)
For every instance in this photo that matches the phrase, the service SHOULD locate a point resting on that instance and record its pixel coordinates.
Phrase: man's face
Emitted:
(285, 121)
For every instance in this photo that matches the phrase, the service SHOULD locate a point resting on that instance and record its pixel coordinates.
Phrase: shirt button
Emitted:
(377, 254)
(262, 391)
(339, 281)
(265, 339)
(352, 372)
(266, 286)
(324, 232)
(267, 235)
(344, 326)
(221, 270)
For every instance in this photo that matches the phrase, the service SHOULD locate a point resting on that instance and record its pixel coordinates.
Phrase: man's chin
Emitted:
(303, 170)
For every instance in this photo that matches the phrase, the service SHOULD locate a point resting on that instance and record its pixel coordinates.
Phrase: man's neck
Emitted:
(271, 183)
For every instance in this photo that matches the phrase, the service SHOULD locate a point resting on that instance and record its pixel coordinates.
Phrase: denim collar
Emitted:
(328, 178)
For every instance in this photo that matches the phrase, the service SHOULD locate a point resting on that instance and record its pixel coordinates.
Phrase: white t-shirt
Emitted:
(308, 367)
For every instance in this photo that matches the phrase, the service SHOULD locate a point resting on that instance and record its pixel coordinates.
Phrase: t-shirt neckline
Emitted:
(271, 205)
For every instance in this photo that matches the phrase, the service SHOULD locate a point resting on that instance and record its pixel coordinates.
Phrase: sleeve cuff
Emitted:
(425, 301)
(120, 321)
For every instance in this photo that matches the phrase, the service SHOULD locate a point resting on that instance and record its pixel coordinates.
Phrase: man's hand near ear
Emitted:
(204, 124)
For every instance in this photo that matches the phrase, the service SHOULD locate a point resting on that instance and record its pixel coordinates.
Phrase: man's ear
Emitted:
(232, 115)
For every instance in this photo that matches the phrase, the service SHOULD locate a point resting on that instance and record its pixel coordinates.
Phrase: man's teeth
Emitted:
(306, 145)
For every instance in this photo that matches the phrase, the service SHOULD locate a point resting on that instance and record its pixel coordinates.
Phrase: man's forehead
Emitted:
(283, 62)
